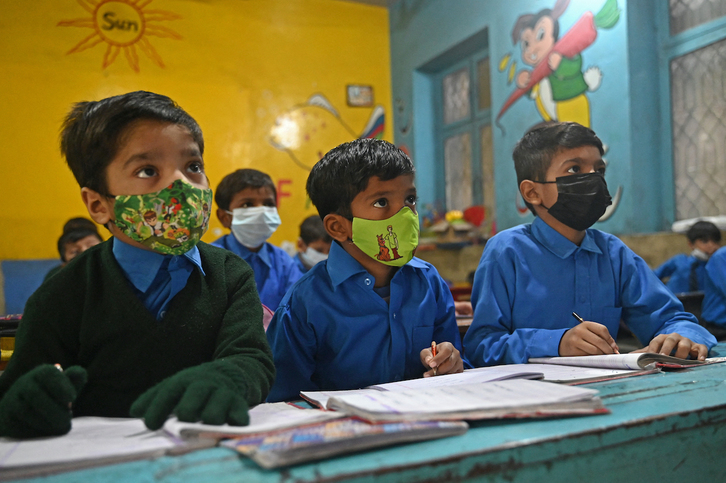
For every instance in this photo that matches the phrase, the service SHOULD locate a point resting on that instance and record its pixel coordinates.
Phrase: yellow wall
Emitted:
(238, 66)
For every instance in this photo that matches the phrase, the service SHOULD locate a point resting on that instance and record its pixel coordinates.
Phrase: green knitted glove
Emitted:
(38, 403)
(200, 393)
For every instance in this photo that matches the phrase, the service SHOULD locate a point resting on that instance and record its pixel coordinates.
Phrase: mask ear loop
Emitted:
(544, 182)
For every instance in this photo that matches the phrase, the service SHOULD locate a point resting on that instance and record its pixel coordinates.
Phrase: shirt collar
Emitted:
(141, 266)
(341, 265)
(247, 254)
(557, 243)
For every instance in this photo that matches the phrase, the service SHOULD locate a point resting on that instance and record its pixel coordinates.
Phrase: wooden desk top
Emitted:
(667, 426)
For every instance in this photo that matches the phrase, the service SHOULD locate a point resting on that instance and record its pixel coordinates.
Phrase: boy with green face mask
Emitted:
(151, 322)
(369, 313)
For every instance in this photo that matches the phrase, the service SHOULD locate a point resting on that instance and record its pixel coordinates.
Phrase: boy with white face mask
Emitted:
(313, 245)
(247, 205)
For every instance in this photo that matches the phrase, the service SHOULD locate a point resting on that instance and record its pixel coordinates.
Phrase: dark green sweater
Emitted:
(88, 315)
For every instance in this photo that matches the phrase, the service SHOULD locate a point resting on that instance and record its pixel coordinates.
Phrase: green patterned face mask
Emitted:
(170, 221)
(391, 241)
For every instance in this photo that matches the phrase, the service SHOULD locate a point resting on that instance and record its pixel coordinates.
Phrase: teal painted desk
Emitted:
(663, 427)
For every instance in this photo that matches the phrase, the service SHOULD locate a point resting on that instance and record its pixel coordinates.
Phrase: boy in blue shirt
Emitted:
(713, 309)
(686, 273)
(370, 312)
(313, 245)
(531, 278)
(247, 205)
(146, 324)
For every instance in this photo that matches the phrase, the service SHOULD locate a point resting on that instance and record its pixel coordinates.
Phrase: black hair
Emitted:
(241, 179)
(73, 236)
(79, 223)
(704, 231)
(345, 170)
(312, 229)
(92, 132)
(534, 152)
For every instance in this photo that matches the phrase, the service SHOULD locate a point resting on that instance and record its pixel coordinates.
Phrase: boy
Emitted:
(313, 245)
(713, 309)
(354, 320)
(531, 278)
(686, 273)
(140, 325)
(247, 205)
(79, 234)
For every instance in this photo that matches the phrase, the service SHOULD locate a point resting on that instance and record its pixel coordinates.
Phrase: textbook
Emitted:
(514, 398)
(297, 445)
(264, 418)
(632, 361)
(582, 375)
(469, 376)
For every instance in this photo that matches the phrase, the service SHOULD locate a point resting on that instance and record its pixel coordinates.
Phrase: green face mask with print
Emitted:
(170, 221)
(391, 241)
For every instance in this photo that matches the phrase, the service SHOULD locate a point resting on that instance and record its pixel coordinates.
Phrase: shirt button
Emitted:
(368, 281)
(583, 299)
(162, 314)
(394, 316)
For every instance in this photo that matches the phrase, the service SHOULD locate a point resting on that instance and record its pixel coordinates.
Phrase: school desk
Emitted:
(663, 427)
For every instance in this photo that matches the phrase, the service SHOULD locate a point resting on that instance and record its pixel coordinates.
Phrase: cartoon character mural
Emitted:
(556, 82)
(307, 131)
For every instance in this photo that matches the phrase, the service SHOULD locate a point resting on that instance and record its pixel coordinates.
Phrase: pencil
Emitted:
(433, 351)
(579, 319)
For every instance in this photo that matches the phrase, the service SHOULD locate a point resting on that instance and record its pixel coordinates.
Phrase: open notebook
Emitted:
(632, 361)
(514, 398)
(469, 376)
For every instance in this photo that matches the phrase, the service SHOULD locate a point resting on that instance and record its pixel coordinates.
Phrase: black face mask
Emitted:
(581, 200)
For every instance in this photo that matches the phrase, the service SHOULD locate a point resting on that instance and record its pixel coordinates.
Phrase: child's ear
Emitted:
(529, 192)
(98, 206)
(301, 246)
(224, 218)
(338, 227)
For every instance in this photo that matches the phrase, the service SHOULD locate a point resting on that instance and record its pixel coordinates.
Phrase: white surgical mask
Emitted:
(311, 257)
(699, 255)
(253, 226)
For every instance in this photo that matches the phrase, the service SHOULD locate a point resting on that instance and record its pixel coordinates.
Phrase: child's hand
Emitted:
(522, 79)
(463, 308)
(447, 360)
(587, 338)
(38, 403)
(199, 393)
(554, 60)
(667, 343)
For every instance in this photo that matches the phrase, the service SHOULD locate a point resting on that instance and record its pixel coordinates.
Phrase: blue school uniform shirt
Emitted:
(531, 278)
(334, 331)
(156, 278)
(275, 271)
(681, 269)
(713, 309)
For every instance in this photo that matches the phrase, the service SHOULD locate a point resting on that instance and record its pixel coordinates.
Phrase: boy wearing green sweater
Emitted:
(152, 322)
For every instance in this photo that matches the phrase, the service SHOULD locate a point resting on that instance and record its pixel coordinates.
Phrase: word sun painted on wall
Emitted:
(124, 26)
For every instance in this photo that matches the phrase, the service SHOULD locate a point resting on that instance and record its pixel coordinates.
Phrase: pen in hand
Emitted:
(433, 352)
(581, 320)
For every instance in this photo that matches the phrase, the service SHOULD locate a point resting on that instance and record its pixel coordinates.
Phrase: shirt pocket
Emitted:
(422, 337)
(610, 318)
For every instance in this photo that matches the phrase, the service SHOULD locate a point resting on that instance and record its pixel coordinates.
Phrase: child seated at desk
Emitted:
(313, 245)
(369, 313)
(247, 205)
(78, 236)
(687, 273)
(531, 278)
(151, 322)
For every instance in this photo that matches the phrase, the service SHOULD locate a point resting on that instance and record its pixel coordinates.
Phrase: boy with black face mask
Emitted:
(531, 278)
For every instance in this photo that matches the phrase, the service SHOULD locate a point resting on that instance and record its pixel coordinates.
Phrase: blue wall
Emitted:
(625, 110)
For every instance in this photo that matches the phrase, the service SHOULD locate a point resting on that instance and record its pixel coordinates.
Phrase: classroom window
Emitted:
(464, 135)
(686, 14)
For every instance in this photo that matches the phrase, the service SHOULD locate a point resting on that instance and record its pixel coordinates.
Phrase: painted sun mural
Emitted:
(124, 26)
